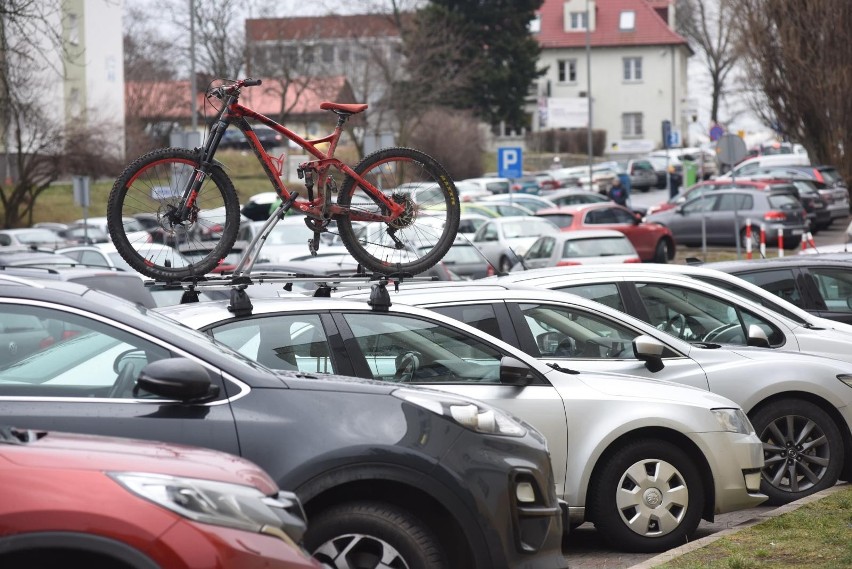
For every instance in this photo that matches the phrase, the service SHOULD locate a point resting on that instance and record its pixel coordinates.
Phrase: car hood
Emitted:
(88, 452)
(644, 389)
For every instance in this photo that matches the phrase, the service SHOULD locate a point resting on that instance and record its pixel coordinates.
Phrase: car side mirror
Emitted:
(650, 351)
(177, 378)
(514, 372)
(757, 337)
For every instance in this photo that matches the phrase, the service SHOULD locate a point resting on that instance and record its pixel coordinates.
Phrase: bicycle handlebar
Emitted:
(223, 90)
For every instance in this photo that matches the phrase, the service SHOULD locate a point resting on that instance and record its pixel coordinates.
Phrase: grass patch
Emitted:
(817, 535)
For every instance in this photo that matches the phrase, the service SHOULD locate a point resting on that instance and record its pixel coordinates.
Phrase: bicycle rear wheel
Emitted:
(151, 188)
(421, 236)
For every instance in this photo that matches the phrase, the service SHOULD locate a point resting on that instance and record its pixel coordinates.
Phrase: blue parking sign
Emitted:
(510, 162)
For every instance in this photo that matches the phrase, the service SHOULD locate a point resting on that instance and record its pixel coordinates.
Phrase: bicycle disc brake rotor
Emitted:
(170, 223)
(407, 217)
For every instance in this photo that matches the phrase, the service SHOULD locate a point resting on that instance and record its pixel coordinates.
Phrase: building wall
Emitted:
(96, 70)
(659, 96)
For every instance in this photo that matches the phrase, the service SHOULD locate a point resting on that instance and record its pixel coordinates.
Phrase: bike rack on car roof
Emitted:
(240, 304)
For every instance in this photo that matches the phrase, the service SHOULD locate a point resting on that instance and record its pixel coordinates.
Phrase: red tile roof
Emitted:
(317, 27)
(649, 29)
(171, 99)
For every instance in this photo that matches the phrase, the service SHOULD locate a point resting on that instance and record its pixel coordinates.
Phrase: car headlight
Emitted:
(218, 503)
(733, 420)
(467, 413)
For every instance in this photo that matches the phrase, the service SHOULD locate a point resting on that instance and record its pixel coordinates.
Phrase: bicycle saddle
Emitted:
(350, 109)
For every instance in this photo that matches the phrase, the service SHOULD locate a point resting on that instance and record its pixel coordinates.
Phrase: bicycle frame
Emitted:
(319, 207)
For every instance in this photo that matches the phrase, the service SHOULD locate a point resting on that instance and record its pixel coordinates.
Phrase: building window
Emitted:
(327, 53)
(632, 68)
(578, 21)
(535, 24)
(627, 21)
(567, 70)
(308, 54)
(631, 125)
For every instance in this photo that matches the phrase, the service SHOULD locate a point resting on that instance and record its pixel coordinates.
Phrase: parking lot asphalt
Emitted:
(585, 549)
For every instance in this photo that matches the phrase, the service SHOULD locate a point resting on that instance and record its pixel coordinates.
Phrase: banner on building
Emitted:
(567, 112)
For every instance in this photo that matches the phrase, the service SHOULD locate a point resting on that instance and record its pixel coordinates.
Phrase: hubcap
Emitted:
(652, 498)
(357, 551)
(796, 453)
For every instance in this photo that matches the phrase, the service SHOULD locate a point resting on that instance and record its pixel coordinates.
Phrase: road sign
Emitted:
(80, 186)
(716, 132)
(510, 162)
(730, 149)
(667, 134)
(674, 139)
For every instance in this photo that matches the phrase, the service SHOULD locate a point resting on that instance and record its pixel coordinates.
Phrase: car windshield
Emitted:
(527, 228)
(597, 247)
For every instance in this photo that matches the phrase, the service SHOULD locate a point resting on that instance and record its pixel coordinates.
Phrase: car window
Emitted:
(699, 317)
(564, 333)
(700, 205)
(537, 249)
(600, 216)
(623, 216)
(734, 202)
(288, 341)
(560, 219)
(780, 282)
(407, 349)
(835, 286)
(745, 293)
(60, 354)
(605, 293)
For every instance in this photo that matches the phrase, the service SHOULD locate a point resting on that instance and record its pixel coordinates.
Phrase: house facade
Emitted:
(614, 65)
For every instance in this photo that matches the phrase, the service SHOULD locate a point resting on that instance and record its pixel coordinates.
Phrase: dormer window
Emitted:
(535, 24)
(627, 20)
(578, 21)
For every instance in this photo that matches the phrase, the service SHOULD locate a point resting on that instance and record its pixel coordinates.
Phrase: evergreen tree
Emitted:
(497, 35)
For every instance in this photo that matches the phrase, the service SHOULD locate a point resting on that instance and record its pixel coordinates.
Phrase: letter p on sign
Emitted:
(510, 162)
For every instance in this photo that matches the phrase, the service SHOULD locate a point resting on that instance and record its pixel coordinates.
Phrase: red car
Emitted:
(85, 501)
(652, 241)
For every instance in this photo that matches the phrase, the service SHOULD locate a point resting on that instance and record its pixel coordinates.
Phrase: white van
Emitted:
(750, 166)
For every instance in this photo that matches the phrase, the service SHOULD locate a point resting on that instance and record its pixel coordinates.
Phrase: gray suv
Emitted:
(390, 475)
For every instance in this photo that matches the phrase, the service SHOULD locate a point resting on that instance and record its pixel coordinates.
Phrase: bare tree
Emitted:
(40, 142)
(802, 71)
(708, 25)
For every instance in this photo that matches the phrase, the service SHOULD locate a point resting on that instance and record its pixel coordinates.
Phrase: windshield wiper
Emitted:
(558, 367)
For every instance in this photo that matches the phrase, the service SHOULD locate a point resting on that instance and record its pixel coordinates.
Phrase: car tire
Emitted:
(661, 252)
(810, 437)
(363, 535)
(648, 497)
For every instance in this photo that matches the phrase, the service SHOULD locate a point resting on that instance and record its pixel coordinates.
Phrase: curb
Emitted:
(698, 544)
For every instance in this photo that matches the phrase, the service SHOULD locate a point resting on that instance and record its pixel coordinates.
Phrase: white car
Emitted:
(504, 240)
(105, 255)
(798, 403)
(133, 228)
(643, 459)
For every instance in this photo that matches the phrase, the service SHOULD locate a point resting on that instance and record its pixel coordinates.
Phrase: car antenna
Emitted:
(475, 248)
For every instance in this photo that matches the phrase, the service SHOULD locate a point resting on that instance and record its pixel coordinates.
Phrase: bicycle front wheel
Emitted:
(149, 190)
(420, 237)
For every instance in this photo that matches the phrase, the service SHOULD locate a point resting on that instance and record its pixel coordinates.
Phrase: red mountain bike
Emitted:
(397, 211)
